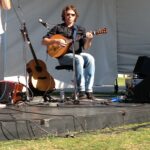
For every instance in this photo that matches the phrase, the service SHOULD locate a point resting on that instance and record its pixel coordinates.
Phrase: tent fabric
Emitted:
(132, 33)
(101, 13)
(116, 52)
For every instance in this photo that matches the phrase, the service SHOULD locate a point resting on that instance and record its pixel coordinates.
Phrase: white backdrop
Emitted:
(133, 34)
(93, 14)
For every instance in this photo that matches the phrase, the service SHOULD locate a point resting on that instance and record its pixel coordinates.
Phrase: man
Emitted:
(6, 5)
(84, 62)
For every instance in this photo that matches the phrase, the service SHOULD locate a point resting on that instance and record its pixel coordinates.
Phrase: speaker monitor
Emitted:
(142, 67)
(142, 91)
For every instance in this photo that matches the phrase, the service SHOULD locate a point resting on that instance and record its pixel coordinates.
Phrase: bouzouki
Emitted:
(39, 78)
(55, 50)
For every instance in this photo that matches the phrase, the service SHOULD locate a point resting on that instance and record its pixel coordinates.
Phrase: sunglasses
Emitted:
(71, 14)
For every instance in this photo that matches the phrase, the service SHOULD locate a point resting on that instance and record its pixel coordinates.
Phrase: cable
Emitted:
(29, 125)
(2, 126)
(4, 91)
(15, 124)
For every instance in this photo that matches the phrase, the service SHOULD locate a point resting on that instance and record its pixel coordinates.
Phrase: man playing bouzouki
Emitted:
(58, 39)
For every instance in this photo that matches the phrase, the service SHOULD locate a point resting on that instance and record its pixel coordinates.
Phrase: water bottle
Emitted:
(62, 95)
(117, 99)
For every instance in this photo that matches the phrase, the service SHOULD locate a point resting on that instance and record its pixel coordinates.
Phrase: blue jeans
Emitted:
(85, 69)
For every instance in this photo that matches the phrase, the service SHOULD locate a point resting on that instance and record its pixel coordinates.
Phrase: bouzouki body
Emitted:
(55, 50)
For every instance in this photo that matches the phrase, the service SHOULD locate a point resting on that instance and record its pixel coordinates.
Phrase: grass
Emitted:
(130, 137)
(121, 81)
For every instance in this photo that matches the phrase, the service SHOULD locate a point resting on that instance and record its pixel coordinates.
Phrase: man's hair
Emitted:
(69, 7)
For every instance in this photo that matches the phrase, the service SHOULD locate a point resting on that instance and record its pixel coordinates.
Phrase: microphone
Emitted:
(44, 23)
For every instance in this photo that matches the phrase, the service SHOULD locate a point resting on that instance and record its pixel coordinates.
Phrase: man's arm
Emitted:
(48, 41)
(5, 4)
(88, 41)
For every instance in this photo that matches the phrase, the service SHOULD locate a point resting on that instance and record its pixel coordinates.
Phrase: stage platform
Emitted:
(36, 118)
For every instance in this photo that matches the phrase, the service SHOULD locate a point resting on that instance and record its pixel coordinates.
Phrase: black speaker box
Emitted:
(142, 91)
(142, 67)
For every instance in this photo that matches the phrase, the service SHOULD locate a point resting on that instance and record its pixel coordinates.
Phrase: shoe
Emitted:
(2, 105)
(90, 96)
(82, 95)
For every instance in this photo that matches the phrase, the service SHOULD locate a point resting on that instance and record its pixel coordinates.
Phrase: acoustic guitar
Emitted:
(39, 78)
(55, 50)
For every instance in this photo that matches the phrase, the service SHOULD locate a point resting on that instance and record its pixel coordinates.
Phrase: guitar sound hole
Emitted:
(29, 70)
(42, 78)
(38, 68)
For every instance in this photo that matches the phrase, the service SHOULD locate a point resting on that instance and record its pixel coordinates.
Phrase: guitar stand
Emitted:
(47, 98)
(46, 95)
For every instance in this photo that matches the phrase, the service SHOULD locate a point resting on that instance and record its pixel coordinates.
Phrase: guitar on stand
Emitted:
(39, 80)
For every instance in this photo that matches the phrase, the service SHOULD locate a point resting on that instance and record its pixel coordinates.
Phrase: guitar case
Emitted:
(10, 92)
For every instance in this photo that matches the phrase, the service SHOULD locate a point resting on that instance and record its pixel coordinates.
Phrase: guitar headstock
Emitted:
(101, 31)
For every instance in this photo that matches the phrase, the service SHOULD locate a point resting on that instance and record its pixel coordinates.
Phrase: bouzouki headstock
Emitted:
(100, 31)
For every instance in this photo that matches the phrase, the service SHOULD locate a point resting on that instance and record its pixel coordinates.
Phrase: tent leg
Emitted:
(116, 87)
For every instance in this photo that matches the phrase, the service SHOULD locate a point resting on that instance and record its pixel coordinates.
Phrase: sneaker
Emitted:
(2, 105)
(90, 96)
(82, 95)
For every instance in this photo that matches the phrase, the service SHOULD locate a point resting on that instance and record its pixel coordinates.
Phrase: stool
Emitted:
(67, 67)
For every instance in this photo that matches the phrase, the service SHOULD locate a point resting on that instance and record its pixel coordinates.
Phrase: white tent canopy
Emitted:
(116, 52)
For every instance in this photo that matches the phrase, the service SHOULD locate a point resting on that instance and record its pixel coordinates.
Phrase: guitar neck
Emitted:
(33, 53)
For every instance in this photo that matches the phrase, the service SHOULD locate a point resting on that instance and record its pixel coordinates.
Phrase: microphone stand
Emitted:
(22, 24)
(76, 100)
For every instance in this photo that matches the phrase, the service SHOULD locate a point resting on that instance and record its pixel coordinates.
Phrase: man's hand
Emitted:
(89, 35)
(60, 42)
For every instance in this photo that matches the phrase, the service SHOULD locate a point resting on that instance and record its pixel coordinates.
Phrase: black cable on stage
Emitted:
(2, 126)
(15, 122)
(39, 127)
(27, 125)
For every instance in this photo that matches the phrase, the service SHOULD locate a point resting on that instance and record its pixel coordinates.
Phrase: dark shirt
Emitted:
(76, 33)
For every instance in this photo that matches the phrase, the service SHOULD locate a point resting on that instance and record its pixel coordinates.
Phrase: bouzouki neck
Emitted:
(100, 31)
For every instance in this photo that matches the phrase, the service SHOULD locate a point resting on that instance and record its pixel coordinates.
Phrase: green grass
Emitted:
(130, 137)
(121, 81)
